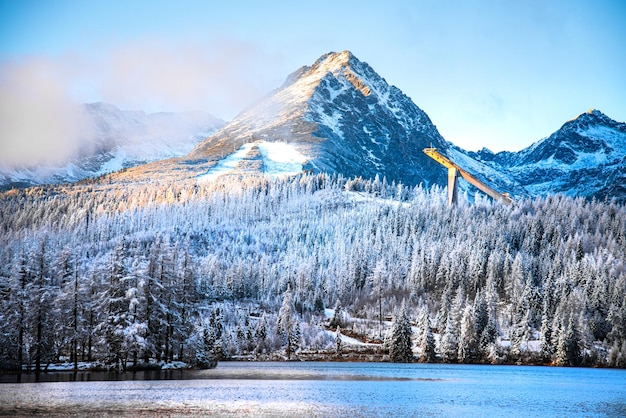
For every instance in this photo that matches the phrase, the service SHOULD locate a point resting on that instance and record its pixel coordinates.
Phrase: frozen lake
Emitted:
(331, 389)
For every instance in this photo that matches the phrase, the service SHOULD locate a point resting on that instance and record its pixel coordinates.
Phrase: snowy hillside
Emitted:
(269, 158)
(231, 268)
(345, 118)
(119, 139)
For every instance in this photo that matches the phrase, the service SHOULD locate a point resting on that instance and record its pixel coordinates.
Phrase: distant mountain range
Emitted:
(119, 139)
(339, 116)
(585, 157)
(344, 118)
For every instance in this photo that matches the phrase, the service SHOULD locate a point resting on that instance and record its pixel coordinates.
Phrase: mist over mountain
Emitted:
(113, 139)
(336, 116)
(208, 256)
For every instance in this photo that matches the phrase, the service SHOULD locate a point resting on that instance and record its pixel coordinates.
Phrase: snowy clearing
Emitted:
(227, 165)
(278, 159)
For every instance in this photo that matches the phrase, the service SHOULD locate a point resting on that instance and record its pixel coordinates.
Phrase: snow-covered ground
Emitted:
(227, 165)
(279, 159)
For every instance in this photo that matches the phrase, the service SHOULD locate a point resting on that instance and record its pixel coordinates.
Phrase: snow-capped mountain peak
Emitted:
(342, 115)
(585, 157)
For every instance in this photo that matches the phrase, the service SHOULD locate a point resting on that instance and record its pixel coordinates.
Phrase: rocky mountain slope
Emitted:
(119, 139)
(585, 157)
(344, 118)
(339, 116)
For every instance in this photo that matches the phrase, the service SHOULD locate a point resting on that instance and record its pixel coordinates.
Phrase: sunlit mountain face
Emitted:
(336, 116)
(344, 118)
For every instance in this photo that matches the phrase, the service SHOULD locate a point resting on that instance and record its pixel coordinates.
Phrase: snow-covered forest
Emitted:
(126, 275)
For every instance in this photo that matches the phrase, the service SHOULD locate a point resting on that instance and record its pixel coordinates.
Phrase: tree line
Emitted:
(134, 274)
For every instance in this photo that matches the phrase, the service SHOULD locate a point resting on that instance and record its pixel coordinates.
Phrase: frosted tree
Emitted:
(377, 281)
(568, 351)
(338, 342)
(468, 341)
(41, 295)
(187, 301)
(449, 343)
(287, 325)
(214, 333)
(71, 305)
(260, 334)
(444, 308)
(204, 355)
(400, 344)
(114, 307)
(426, 339)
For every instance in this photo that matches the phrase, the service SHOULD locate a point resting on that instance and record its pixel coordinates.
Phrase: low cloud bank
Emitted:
(41, 117)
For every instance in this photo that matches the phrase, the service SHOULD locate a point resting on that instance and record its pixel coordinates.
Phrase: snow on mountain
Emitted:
(345, 118)
(281, 159)
(119, 139)
(270, 158)
(585, 157)
(496, 177)
(339, 116)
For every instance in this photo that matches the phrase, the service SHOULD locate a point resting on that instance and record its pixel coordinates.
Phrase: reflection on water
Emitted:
(326, 389)
(250, 371)
(86, 376)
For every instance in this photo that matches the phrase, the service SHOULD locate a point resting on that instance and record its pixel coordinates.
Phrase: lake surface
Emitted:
(328, 390)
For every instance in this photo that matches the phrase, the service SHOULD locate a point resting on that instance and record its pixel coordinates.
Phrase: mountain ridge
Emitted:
(339, 116)
(118, 139)
(345, 117)
(585, 157)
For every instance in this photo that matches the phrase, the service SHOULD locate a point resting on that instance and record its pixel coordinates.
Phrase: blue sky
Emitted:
(497, 74)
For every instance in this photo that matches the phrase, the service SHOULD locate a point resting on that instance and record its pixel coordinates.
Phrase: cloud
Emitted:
(41, 120)
(39, 123)
(221, 77)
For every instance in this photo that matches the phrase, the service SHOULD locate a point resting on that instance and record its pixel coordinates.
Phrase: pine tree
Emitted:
(338, 342)
(468, 342)
(260, 334)
(449, 343)
(41, 296)
(481, 313)
(288, 326)
(547, 345)
(400, 345)
(426, 342)
(568, 352)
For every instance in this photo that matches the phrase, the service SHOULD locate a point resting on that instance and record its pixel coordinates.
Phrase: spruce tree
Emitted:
(400, 346)
(288, 326)
(426, 342)
(449, 344)
(338, 342)
(468, 342)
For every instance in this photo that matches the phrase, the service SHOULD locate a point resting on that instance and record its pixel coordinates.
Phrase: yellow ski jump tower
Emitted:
(454, 171)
